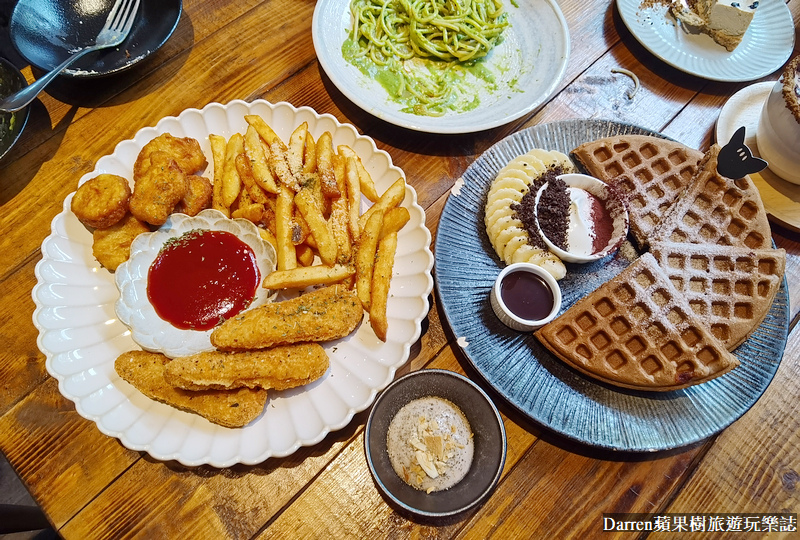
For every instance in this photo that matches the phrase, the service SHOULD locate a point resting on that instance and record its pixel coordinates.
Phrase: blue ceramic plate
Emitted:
(534, 381)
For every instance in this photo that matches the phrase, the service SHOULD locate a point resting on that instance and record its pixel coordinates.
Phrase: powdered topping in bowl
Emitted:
(430, 444)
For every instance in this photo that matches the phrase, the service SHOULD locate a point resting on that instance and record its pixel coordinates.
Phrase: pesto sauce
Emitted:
(445, 83)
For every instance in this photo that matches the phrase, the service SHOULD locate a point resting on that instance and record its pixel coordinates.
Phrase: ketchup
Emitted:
(527, 295)
(201, 278)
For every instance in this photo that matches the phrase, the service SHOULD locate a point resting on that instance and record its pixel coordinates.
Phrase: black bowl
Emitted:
(489, 437)
(45, 31)
(11, 124)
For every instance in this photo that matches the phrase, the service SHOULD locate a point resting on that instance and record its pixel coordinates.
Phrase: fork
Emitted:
(116, 29)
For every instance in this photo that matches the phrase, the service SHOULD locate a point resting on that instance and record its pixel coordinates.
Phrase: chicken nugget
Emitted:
(229, 408)
(322, 315)
(198, 196)
(158, 190)
(112, 246)
(185, 151)
(101, 201)
(279, 368)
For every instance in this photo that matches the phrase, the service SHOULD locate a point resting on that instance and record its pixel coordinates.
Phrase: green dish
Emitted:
(11, 124)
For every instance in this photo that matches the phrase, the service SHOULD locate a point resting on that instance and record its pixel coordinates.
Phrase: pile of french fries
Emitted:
(306, 198)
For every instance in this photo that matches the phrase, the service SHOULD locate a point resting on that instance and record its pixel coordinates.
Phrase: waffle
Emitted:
(717, 210)
(730, 288)
(651, 173)
(637, 331)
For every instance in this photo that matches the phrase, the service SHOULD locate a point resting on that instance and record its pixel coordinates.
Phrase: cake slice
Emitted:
(637, 331)
(730, 289)
(726, 21)
(717, 210)
(649, 172)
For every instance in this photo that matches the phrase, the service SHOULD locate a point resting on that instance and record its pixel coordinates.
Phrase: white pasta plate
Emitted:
(81, 336)
(528, 65)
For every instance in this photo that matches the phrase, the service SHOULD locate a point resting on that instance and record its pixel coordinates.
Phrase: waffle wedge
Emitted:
(730, 288)
(637, 331)
(717, 210)
(649, 171)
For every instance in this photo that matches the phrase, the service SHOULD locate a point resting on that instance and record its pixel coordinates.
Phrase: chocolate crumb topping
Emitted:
(554, 213)
(525, 209)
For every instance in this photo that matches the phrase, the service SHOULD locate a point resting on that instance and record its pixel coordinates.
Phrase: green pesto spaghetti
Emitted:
(421, 51)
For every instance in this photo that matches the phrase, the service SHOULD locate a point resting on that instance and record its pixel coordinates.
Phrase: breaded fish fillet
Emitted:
(321, 315)
(229, 408)
(279, 368)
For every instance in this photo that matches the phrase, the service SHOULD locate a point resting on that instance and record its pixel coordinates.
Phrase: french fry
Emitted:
(381, 280)
(218, 145)
(305, 276)
(279, 163)
(245, 169)
(394, 220)
(305, 254)
(263, 129)
(365, 257)
(296, 148)
(231, 182)
(284, 205)
(353, 199)
(365, 179)
(325, 157)
(390, 198)
(257, 153)
(308, 205)
(310, 154)
(340, 211)
(269, 237)
(251, 212)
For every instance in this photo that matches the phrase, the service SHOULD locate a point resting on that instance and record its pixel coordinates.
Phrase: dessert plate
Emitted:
(534, 54)
(765, 47)
(534, 381)
(81, 336)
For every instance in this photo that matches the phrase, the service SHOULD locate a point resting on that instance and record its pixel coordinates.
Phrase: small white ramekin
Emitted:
(510, 319)
(602, 191)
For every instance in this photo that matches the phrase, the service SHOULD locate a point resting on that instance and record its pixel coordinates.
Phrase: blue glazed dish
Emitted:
(533, 380)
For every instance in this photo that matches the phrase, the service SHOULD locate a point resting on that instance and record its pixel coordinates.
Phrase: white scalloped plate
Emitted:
(81, 336)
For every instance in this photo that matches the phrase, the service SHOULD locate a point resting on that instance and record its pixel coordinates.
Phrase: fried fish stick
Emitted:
(229, 408)
(278, 368)
(321, 315)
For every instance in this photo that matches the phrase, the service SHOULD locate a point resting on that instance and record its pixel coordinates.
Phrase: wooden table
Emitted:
(91, 486)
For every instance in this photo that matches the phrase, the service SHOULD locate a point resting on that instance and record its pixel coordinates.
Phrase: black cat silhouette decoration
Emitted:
(735, 159)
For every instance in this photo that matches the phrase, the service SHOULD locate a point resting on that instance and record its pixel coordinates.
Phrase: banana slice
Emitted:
(506, 232)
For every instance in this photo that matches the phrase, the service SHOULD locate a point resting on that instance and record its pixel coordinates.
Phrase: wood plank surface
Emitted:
(91, 486)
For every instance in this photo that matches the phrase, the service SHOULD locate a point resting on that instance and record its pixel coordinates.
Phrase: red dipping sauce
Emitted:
(201, 278)
(527, 295)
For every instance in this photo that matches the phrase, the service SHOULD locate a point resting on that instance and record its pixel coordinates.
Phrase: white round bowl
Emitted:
(150, 331)
(778, 136)
(511, 319)
(617, 209)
